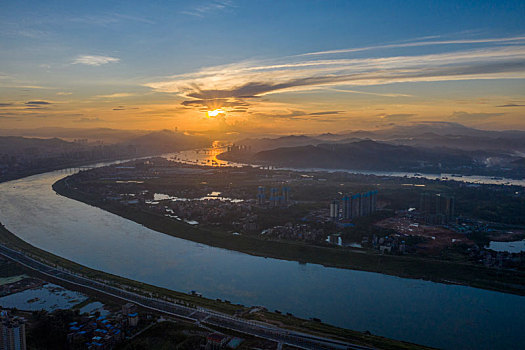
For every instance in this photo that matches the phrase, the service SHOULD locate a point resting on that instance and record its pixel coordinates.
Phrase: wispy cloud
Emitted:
(37, 103)
(386, 94)
(116, 95)
(108, 19)
(398, 117)
(511, 40)
(461, 116)
(93, 60)
(236, 84)
(511, 105)
(325, 113)
(209, 7)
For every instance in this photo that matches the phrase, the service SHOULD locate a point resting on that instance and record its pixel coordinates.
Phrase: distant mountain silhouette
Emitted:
(374, 155)
(428, 135)
(15, 145)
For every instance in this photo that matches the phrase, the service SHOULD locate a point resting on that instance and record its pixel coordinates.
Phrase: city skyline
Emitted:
(238, 66)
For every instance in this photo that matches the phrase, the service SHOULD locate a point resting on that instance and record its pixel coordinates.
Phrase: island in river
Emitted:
(217, 207)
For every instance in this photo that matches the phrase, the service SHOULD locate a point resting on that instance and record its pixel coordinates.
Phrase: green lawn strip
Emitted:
(319, 328)
(404, 266)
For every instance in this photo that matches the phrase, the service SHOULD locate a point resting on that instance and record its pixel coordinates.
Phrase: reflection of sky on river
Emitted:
(414, 310)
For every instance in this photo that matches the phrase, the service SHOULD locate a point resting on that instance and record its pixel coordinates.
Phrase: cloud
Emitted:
(209, 7)
(371, 93)
(239, 83)
(110, 19)
(92, 60)
(25, 87)
(31, 33)
(511, 105)
(214, 103)
(518, 39)
(465, 116)
(399, 117)
(296, 114)
(64, 93)
(116, 95)
(37, 103)
(325, 113)
(6, 104)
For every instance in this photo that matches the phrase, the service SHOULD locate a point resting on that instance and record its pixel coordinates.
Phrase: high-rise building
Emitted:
(274, 197)
(12, 333)
(356, 205)
(436, 209)
(427, 203)
(347, 208)
(365, 204)
(285, 195)
(334, 210)
(445, 206)
(373, 201)
(260, 195)
(360, 204)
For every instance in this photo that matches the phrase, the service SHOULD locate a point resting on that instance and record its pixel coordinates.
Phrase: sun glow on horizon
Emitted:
(215, 112)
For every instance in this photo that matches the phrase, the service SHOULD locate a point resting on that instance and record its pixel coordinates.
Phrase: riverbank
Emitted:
(506, 281)
(290, 322)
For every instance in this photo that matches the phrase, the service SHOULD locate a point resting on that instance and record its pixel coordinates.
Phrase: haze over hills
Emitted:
(148, 143)
(22, 156)
(428, 135)
(106, 135)
(427, 147)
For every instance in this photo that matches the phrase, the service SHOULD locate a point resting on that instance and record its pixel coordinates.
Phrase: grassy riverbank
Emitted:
(9, 239)
(403, 266)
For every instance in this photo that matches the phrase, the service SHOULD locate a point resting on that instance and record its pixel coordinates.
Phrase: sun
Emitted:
(215, 112)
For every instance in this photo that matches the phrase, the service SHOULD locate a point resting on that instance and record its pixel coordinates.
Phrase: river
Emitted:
(440, 315)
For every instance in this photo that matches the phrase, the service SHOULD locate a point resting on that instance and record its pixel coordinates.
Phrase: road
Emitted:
(197, 315)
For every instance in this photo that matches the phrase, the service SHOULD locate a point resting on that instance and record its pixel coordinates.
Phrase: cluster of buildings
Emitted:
(491, 258)
(102, 333)
(436, 209)
(210, 211)
(278, 197)
(239, 148)
(354, 206)
(389, 244)
(12, 332)
(295, 232)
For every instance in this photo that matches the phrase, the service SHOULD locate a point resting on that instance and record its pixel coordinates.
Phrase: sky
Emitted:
(269, 66)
